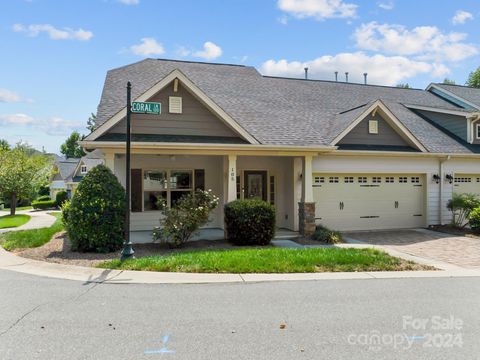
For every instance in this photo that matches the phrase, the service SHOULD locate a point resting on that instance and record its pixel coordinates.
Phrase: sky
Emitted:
(55, 53)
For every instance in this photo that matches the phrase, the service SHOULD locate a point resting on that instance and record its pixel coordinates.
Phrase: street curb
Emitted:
(11, 262)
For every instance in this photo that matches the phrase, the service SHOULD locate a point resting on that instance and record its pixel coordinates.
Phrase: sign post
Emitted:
(127, 252)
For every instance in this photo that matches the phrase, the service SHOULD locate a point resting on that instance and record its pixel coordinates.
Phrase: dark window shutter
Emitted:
(199, 179)
(136, 190)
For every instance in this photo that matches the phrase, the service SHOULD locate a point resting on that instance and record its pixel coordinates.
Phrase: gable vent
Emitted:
(175, 105)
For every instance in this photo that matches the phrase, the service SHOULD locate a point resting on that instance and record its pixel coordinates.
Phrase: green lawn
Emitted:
(9, 221)
(31, 238)
(267, 260)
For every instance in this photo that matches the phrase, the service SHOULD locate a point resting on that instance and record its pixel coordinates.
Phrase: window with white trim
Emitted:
(389, 179)
(376, 179)
(415, 179)
(333, 179)
(319, 180)
(348, 179)
(373, 127)
(477, 133)
(402, 179)
(165, 186)
(362, 179)
(83, 169)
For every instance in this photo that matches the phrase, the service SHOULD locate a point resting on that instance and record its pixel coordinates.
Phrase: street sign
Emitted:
(153, 108)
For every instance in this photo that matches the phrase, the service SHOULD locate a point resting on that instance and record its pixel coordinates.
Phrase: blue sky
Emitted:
(55, 53)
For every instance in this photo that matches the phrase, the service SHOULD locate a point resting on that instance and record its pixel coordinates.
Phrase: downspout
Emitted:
(440, 197)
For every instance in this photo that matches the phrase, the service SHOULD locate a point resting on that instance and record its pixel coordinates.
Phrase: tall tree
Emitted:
(403, 86)
(447, 81)
(4, 145)
(70, 148)
(91, 122)
(21, 174)
(474, 78)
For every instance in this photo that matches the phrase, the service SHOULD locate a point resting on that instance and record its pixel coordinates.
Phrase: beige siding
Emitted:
(386, 135)
(195, 119)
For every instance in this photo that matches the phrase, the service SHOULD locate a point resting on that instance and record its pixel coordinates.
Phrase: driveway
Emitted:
(457, 250)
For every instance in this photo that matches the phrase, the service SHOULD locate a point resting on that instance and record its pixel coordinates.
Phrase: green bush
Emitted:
(43, 204)
(249, 222)
(326, 235)
(61, 197)
(461, 205)
(43, 198)
(44, 190)
(190, 212)
(474, 220)
(95, 216)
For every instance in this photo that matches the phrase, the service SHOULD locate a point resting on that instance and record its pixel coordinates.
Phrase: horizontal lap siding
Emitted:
(195, 119)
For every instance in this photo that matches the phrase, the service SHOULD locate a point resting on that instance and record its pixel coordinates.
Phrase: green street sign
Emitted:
(146, 108)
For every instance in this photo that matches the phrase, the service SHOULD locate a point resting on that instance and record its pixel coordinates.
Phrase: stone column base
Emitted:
(306, 218)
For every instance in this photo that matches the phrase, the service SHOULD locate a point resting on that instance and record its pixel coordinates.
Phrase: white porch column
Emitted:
(297, 189)
(231, 178)
(110, 161)
(307, 189)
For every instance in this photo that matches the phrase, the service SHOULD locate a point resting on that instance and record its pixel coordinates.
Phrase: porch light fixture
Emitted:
(436, 178)
(449, 178)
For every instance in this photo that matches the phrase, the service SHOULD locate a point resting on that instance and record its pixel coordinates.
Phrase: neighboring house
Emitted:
(349, 156)
(69, 172)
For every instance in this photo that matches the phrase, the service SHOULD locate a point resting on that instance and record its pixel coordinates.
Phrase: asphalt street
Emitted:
(417, 318)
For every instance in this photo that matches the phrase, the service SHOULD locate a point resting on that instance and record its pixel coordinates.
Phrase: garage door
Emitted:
(369, 201)
(466, 183)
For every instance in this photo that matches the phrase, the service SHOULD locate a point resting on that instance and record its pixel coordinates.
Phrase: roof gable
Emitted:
(396, 131)
(193, 90)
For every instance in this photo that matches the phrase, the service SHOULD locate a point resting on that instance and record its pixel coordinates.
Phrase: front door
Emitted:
(255, 183)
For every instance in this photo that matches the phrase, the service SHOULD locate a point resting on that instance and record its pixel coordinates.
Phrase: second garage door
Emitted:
(369, 201)
(467, 183)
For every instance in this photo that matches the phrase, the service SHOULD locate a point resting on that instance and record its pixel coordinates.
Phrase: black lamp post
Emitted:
(127, 252)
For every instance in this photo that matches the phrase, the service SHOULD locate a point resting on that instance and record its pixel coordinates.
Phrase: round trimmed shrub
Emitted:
(43, 204)
(61, 197)
(474, 220)
(43, 198)
(95, 216)
(249, 222)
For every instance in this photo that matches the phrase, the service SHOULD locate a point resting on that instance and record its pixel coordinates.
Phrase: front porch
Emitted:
(160, 176)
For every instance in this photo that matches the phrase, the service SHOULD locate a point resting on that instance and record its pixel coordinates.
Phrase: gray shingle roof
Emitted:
(280, 111)
(66, 167)
(468, 93)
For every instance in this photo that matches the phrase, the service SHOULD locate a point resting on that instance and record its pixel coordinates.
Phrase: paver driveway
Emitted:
(458, 250)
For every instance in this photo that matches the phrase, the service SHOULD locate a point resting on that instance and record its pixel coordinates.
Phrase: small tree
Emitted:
(403, 86)
(22, 174)
(474, 78)
(95, 217)
(91, 122)
(461, 205)
(447, 81)
(187, 215)
(70, 148)
(4, 145)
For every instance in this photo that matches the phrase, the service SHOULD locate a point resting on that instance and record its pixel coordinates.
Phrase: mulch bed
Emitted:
(448, 229)
(58, 250)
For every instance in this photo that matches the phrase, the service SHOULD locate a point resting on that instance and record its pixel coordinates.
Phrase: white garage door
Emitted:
(466, 183)
(369, 201)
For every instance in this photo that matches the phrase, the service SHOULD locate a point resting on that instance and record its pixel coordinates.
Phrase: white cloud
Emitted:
(16, 119)
(386, 70)
(129, 2)
(148, 46)
(318, 9)
(182, 51)
(210, 51)
(461, 16)
(53, 33)
(9, 96)
(386, 5)
(50, 126)
(60, 126)
(422, 42)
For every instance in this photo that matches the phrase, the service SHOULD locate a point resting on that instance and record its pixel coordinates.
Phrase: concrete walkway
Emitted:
(39, 219)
